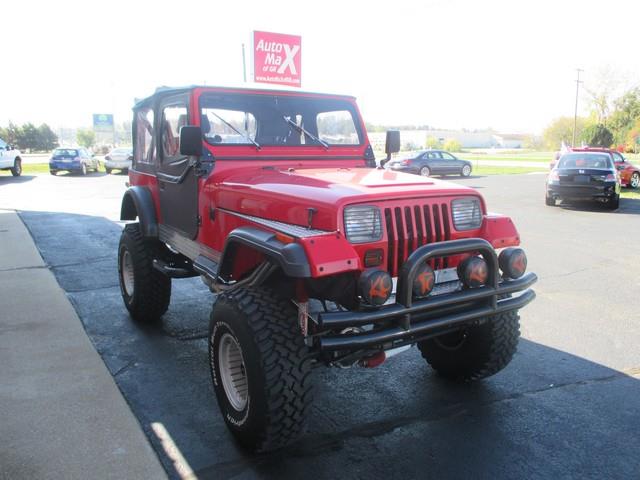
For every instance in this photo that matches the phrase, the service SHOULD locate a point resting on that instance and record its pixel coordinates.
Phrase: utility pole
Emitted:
(575, 113)
(244, 66)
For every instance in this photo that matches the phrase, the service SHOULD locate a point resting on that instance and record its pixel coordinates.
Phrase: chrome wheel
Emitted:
(425, 172)
(232, 372)
(466, 171)
(126, 270)
(635, 180)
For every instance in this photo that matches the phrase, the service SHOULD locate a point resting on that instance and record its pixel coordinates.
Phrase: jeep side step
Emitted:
(172, 271)
(205, 266)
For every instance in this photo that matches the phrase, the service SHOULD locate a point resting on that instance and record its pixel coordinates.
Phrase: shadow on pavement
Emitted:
(79, 174)
(627, 205)
(549, 414)
(7, 179)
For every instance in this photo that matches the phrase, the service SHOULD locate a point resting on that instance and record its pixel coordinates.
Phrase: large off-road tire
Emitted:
(146, 291)
(16, 170)
(477, 352)
(260, 369)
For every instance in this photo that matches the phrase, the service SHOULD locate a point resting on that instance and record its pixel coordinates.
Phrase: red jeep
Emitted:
(317, 256)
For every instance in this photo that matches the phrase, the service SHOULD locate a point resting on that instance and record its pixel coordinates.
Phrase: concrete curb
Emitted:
(61, 413)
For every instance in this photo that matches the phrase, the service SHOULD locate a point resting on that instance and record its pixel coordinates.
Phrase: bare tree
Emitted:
(602, 87)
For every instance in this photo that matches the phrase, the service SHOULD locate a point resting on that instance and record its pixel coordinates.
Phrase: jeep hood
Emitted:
(286, 195)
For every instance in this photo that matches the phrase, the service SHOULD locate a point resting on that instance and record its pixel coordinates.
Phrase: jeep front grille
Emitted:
(410, 227)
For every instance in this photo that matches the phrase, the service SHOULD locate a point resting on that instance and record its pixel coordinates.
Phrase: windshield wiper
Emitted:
(245, 135)
(306, 132)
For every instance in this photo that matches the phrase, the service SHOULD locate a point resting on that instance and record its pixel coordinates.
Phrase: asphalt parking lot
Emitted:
(568, 406)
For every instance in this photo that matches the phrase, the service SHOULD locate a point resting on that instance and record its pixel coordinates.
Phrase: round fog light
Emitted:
(424, 281)
(513, 262)
(375, 286)
(473, 272)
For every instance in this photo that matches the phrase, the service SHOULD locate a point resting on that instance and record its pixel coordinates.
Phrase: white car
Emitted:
(118, 158)
(10, 159)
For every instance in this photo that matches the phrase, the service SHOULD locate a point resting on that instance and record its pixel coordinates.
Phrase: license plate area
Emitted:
(582, 179)
(446, 282)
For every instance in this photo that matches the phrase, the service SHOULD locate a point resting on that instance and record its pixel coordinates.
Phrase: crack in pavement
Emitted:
(319, 444)
(186, 337)
(15, 269)
(90, 289)
(124, 369)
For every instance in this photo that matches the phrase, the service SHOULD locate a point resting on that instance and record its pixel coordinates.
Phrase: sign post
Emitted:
(103, 123)
(277, 58)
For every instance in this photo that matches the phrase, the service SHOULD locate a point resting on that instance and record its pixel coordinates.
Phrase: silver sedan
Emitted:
(118, 158)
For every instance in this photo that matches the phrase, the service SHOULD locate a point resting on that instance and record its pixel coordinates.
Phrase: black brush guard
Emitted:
(411, 320)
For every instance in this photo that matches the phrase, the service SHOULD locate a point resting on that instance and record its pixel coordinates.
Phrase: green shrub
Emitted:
(433, 142)
(452, 145)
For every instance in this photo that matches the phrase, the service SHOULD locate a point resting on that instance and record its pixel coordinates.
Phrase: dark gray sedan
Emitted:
(431, 162)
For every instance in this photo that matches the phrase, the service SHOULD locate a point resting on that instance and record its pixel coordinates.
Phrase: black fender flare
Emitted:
(288, 256)
(138, 203)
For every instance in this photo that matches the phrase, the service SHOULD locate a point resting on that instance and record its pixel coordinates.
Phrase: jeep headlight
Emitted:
(466, 213)
(362, 224)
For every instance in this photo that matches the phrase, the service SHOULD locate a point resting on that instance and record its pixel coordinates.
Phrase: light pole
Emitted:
(575, 113)
(244, 66)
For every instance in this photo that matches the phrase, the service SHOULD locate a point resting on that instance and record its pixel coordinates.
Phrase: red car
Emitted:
(318, 258)
(629, 173)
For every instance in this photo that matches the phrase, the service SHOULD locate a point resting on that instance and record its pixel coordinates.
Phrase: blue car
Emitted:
(77, 160)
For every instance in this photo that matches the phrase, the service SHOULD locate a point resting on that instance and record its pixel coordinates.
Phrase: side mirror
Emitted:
(392, 143)
(191, 141)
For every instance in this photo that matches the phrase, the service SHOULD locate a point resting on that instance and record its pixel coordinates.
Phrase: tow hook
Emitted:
(379, 358)
(374, 361)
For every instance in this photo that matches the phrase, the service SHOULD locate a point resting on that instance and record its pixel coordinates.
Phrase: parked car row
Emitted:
(80, 160)
(629, 173)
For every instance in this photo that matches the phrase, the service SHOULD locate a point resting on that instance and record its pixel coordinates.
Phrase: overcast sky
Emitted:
(509, 65)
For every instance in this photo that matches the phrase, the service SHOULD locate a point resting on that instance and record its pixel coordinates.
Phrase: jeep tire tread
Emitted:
(151, 291)
(483, 351)
(275, 366)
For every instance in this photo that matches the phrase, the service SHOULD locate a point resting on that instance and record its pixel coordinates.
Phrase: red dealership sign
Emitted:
(277, 58)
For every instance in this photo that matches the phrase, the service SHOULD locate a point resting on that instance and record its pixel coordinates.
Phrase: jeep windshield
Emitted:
(278, 120)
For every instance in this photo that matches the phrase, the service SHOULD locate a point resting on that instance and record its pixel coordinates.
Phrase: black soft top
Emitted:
(165, 91)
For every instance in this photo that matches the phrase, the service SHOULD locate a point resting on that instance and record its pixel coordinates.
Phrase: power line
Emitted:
(575, 113)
